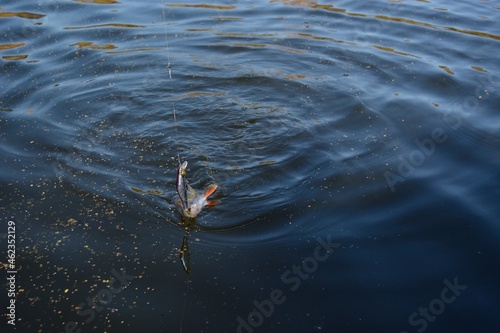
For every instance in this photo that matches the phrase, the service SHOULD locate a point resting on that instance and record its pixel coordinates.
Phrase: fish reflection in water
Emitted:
(185, 256)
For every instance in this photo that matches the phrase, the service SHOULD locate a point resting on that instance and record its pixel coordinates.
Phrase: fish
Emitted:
(191, 202)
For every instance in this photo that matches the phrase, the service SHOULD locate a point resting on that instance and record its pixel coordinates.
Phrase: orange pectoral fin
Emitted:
(213, 203)
(209, 190)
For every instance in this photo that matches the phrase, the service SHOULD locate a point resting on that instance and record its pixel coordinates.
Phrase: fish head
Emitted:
(182, 168)
(195, 206)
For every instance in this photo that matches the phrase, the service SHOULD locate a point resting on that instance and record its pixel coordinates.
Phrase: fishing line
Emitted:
(166, 38)
(169, 68)
(211, 172)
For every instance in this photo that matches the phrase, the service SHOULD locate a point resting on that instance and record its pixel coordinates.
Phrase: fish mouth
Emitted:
(190, 214)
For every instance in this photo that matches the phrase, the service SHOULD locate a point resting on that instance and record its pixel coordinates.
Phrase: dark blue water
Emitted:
(356, 147)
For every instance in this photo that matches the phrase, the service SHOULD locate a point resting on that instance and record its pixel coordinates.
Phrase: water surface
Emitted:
(372, 127)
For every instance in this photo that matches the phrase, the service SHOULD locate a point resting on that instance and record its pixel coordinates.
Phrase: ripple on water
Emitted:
(297, 110)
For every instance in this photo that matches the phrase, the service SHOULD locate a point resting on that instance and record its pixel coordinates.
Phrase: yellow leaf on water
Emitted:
(25, 15)
(447, 70)
(480, 69)
(11, 46)
(16, 57)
